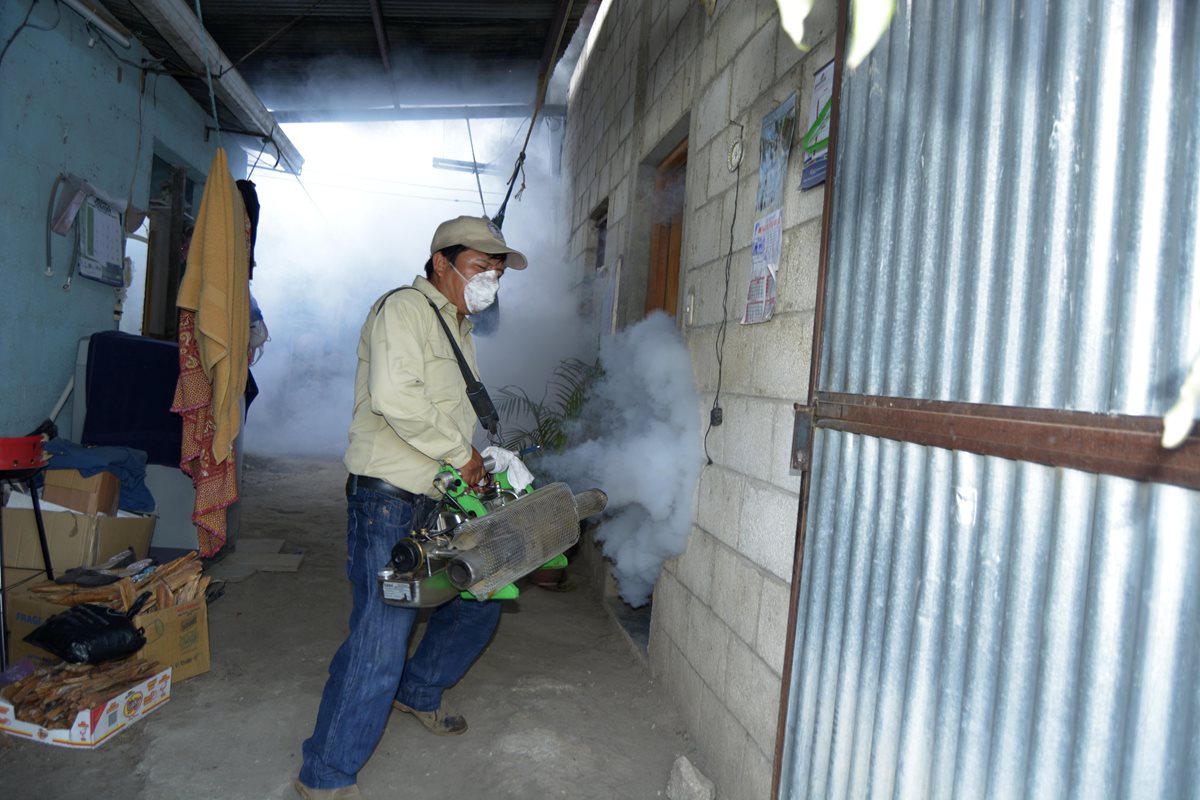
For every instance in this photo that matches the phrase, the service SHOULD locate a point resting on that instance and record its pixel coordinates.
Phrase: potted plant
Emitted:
(546, 425)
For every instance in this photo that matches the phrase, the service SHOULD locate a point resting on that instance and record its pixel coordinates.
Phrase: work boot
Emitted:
(441, 720)
(350, 792)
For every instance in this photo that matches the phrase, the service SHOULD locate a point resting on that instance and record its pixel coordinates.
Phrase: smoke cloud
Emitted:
(357, 224)
(359, 221)
(645, 452)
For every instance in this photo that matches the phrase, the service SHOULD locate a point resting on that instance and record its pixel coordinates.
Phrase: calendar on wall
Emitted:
(100, 243)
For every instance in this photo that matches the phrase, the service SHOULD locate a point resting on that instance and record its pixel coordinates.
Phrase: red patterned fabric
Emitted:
(215, 481)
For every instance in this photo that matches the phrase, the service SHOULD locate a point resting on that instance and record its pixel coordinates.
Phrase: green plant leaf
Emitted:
(563, 400)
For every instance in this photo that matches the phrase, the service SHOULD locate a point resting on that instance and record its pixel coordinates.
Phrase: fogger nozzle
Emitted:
(589, 502)
(465, 569)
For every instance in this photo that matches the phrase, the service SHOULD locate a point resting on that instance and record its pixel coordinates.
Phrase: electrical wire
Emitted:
(516, 133)
(66, 287)
(150, 65)
(543, 84)
(270, 173)
(720, 341)
(137, 153)
(521, 191)
(391, 181)
(154, 65)
(25, 24)
(212, 94)
(50, 220)
(299, 182)
(279, 156)
(270, 39)
(475, 167)
(261, 150)
(185, 73)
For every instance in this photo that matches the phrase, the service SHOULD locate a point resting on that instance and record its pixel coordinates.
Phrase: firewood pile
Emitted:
(53, 696)
(171, 584)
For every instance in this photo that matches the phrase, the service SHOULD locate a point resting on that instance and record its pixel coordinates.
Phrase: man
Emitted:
(411, 414)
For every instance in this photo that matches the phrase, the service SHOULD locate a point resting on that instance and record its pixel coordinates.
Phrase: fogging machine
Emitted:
(482, 540)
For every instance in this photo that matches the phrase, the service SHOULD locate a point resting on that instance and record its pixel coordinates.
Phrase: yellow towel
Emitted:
(216, 286)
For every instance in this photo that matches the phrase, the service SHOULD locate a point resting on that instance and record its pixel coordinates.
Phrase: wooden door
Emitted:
(666, 233)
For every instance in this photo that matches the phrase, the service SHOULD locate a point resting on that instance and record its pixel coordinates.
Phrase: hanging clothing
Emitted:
(215, 481)
(214, 338)
(216, 286)
(250, 199)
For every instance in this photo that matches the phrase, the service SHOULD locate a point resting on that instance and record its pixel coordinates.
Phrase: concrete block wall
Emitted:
(720, 610)
(70, 107)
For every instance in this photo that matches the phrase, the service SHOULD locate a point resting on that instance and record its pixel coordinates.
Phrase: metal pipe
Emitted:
(380, 35)
(89, 12)
(416, 112)
(589, 502)
(466, 569)
(178, 26)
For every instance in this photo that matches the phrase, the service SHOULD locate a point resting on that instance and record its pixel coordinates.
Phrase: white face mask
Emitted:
(480, 291)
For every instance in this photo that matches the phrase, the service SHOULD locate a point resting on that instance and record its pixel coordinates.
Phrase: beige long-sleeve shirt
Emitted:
(411, 411)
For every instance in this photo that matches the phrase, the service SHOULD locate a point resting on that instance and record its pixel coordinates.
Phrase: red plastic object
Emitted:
(21, 452)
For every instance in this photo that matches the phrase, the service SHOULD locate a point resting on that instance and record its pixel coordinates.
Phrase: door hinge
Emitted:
(802, 427)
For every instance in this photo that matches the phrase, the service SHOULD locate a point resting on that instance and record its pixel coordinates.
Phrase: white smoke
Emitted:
(358, 223)
(645, 454)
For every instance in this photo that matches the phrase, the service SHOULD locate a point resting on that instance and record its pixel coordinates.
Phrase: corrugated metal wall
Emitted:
(975, 627)
(1015, 218)
(1016, 204)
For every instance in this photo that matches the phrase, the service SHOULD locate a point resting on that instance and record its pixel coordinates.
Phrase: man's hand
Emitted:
(473, 472)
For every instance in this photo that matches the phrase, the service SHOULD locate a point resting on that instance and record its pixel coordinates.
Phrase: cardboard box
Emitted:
(95, 726)
(176, 637)
(74, 540)
(97, 494)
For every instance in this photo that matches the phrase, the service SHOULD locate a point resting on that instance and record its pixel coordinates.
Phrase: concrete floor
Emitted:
(560, 704)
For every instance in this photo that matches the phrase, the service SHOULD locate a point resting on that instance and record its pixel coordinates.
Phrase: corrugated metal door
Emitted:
(999, 592)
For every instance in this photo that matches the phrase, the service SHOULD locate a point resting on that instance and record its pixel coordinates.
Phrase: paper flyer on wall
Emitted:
(766, 249)
(100, 245)
(777, 130)
(815, 144)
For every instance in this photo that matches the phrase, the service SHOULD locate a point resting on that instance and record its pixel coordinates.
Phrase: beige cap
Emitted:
(477, 233)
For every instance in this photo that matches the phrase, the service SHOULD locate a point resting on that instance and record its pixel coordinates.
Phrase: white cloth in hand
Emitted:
(519, 476)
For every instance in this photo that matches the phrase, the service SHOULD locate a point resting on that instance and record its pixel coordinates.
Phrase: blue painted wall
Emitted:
(66, 106)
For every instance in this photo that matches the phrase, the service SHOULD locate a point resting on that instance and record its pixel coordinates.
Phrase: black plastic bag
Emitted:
(90, 633)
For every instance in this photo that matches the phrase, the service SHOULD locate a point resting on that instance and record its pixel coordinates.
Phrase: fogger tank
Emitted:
(509, 536)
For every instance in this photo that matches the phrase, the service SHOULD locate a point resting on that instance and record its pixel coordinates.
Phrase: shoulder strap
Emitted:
(462, 361)
(476, 392)
(379, 303)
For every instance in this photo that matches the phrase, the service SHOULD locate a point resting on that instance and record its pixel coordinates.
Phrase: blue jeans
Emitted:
(369, 669)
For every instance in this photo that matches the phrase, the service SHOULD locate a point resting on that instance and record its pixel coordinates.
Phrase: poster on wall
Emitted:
(767, 242)
(777, 129)
(815, 143)
(100, 243)
(766, 249)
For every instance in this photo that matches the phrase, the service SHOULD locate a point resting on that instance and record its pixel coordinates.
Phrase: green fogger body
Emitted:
(484, 540)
